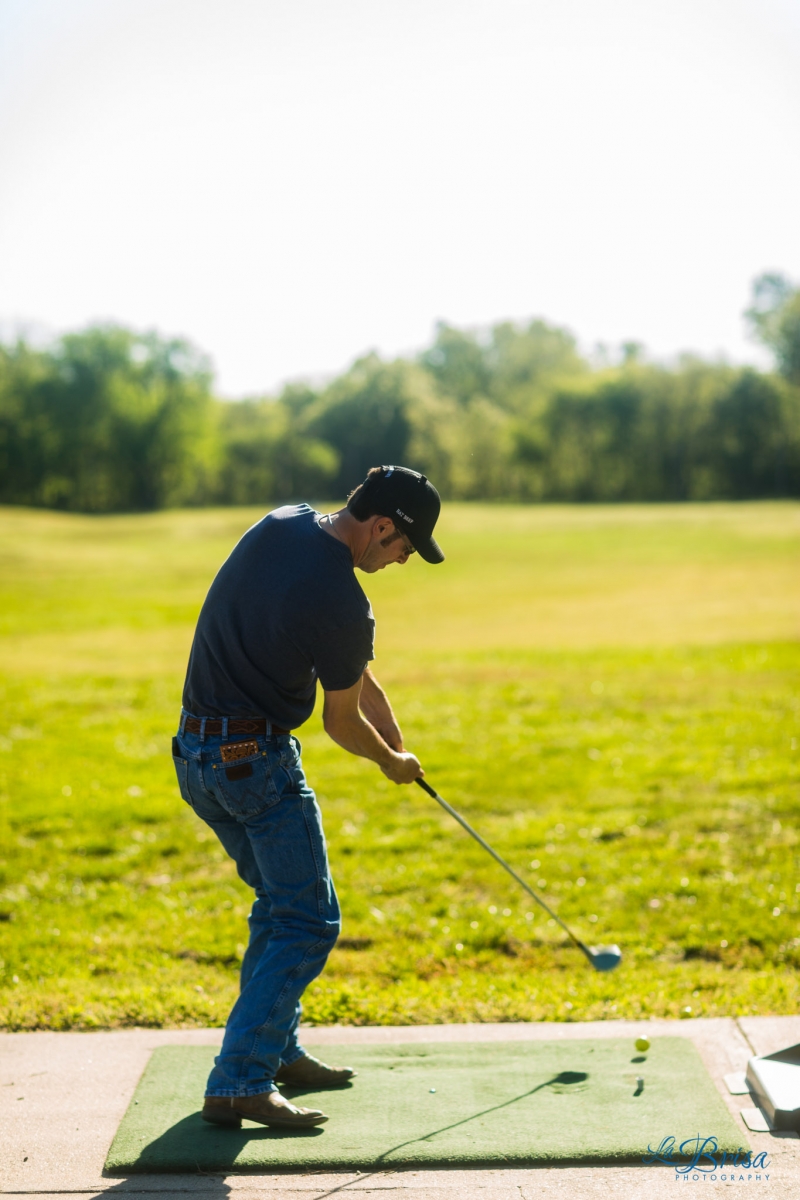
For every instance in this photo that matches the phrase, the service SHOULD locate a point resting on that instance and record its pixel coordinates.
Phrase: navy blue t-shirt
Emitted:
(284, 610)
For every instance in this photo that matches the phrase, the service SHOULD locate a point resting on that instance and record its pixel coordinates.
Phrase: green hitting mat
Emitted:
(440, 1104)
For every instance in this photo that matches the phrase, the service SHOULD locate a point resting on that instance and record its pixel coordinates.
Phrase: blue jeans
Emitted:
(267, 818)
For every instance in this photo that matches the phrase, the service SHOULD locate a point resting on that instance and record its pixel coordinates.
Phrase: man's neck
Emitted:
(342, 526)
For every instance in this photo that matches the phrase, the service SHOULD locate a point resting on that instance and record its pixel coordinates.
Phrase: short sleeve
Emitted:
(341, 654)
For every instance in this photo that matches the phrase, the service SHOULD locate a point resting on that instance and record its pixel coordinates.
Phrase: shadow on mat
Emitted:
(565, 1079)
(220, 1146)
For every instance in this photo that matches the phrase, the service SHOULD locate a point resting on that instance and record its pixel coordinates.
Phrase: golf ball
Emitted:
(642, 1043)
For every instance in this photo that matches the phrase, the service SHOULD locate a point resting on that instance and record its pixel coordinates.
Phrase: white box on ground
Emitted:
(774, 1080)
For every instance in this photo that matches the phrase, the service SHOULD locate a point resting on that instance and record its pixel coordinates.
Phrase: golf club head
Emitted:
(605, 958)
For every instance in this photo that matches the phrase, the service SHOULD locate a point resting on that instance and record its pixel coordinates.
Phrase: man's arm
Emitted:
(347, 727)
(374, 704)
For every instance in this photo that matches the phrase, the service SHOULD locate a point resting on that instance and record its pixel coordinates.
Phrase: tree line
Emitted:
(108, 420)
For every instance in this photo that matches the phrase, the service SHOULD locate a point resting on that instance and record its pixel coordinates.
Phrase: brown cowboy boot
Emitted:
(309, 1072)
(268, 1108)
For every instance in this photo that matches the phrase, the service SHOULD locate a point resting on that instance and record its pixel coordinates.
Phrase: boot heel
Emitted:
(230, 1119)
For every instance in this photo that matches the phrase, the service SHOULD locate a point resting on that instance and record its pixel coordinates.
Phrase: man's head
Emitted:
(408, 501)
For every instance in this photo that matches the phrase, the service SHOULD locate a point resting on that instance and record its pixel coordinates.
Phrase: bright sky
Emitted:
(290, 183)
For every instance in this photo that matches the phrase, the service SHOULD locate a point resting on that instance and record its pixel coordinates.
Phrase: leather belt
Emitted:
(257, 725)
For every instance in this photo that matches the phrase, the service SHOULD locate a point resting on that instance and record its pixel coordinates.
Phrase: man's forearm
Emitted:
(374, 704)
(359, 736)
(350, 729)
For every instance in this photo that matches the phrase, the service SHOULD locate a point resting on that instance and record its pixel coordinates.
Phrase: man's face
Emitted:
(387, 545)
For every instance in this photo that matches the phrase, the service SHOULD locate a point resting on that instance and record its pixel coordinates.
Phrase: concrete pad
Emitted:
(75, 1088)
(767, 1034)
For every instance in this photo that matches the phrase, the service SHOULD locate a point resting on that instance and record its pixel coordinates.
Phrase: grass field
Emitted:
(609, 694)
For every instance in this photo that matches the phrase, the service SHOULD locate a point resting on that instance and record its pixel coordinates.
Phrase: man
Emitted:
(285, 611)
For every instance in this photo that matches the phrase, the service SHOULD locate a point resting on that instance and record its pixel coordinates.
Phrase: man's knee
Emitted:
(325, 934)
(332, 931)
(310, 932)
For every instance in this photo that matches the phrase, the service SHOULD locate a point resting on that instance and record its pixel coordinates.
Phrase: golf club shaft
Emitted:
(426, 787)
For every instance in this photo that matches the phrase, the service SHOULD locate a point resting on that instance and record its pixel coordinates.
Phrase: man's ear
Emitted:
(382, 526)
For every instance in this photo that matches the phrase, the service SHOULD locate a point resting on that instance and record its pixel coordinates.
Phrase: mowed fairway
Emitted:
(609, 694)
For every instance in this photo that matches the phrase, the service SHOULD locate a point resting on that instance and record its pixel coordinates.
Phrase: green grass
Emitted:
(609, 693)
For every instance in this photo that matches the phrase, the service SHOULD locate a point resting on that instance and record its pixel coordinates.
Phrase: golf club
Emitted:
(602, 958)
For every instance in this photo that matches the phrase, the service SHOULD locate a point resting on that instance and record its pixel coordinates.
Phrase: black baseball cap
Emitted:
(411, 501)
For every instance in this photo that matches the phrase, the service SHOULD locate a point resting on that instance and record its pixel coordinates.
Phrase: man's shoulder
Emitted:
(288, 520)
(297, 514)
(289, 511)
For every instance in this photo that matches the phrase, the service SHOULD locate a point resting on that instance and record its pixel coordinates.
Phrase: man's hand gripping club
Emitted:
(361, 721)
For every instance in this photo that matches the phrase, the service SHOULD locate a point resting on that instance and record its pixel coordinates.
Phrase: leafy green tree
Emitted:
(266, 457)
(529, 361)
(458, 362)
(26, 436)
(107, 420)
(508, 364)
(754, 447)
(774, 317)
(698, 431)
(365, 415)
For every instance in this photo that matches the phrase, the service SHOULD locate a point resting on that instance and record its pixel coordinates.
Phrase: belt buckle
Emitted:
(233, 751)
